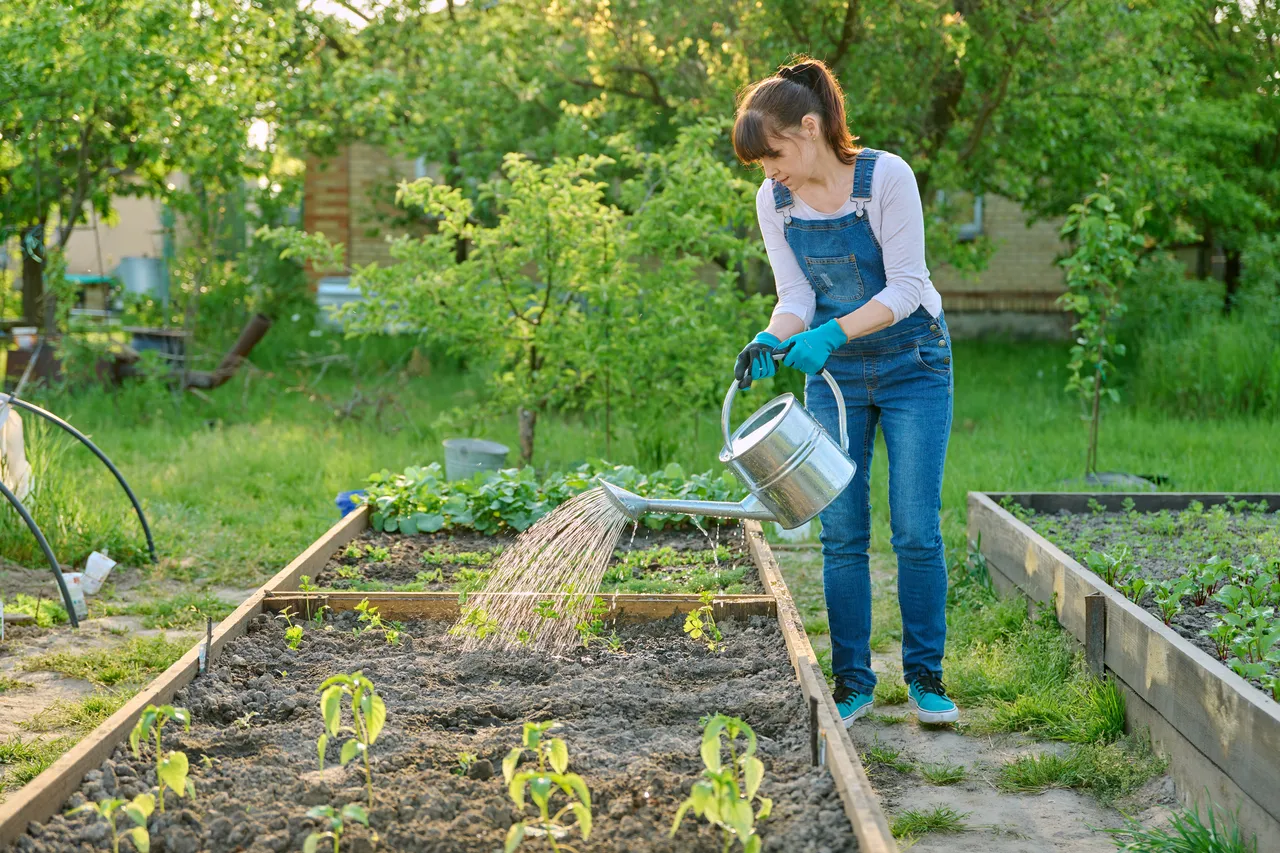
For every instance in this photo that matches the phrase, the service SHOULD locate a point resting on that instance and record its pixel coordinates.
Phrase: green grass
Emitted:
(883, 754)
(23, 760)
(887, 719)
(943, 773)
(891, 690)
(81, 715)
(140, 659)
(8, 685)
(1186, 833)
(184, 610)
(1108, 771)
(916, 822)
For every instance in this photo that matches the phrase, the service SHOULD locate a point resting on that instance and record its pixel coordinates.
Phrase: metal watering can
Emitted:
(790, 464)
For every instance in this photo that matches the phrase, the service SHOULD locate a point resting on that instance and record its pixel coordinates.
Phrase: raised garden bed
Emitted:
(647, 561)
(1221, 732)
(631, 722)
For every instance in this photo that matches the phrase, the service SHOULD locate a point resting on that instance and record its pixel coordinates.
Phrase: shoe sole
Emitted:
(933, 716)
(861, 712)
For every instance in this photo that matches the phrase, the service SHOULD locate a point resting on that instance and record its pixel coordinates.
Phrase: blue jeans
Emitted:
(902, 380)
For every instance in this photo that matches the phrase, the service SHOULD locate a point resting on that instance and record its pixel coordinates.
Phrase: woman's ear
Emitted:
(812, 126)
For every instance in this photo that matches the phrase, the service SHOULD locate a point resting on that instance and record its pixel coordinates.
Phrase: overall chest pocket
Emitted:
(838, 278)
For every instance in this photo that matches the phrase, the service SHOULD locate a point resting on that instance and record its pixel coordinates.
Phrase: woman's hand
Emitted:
(808, 351)
(756, 360)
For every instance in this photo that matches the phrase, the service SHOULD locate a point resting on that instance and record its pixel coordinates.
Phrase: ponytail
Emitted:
(776, 104)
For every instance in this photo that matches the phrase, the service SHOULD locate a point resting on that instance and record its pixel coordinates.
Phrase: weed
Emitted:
(377, 554)
(140, 658)
(368, 713)
(137, 810)
(172, 766)
(465, 762)
(891, 691)
(46, 613)
(27, 759)
(942, 774)
(185, 610)
(1107, 771)
(81, 715)
(916, 822)
(1036, 773)
(305, 584)
(700, 624)
(727, 792)
(350, 573)
(552, 773)
(293, 636)
(351, 812)
(8, 684)
(887, 756)
(1186, 833)
(887, 719)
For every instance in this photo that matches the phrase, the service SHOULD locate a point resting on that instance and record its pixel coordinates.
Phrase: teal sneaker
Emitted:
(851, 704)
(928, 698)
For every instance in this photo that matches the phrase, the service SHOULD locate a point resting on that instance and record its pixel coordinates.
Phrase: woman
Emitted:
(844, 231)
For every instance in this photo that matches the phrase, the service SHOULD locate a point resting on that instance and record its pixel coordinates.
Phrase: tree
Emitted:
(107, 98)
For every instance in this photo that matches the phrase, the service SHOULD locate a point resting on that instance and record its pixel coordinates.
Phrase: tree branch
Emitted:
(846, 32)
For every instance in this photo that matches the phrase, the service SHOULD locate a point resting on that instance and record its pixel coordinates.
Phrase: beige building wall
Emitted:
(96, 248)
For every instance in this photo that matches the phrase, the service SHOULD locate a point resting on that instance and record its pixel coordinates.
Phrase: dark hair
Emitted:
(778, 103)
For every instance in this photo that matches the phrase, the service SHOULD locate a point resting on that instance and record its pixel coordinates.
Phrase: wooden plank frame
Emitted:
(44, 795)
(1221, 733)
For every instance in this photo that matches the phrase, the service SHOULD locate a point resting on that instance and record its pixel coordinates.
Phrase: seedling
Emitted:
(591, 629)
(553, 764)
(1206, 578)
(305, 584)
(465, 761)
(1134, 588)
(337, 823)
(546, 608)
(1223, 636)
(242, 722)
(432, 577)
(350, 573)
(171, 767)
(137, 810)
(377, 554)
(353, 551)
(293, 636)
(477, 623)
(373, 622)
(1112, 566)
(700, 624)
(368, 716)
(726, 794)
(1168, 598)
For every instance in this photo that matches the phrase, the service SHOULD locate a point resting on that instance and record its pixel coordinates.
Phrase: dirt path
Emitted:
(996, 821)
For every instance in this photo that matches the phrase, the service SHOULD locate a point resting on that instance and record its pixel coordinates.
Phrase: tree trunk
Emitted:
(1231, 275)
(33, 275)
(528, 420)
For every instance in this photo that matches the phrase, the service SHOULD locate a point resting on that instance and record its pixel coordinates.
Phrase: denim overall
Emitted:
(899, 377)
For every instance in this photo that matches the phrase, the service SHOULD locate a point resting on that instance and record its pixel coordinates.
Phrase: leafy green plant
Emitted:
(337, 820)
(171, 767)
(372, 621)
(465, 762)
(1167, 595)
(350, 573)
(552, 757)
(728, 791)
(591, 629)
(293, 636)
(377, 554)
(1134, 588)
(305, 584)
(436, 576)
(137, 810)
(368, 715)
(1112, 566)
(700, 624)
(1207, 578)
(353, 551)
(476, 622)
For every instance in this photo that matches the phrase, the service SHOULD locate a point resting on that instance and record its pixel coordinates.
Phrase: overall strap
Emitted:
(781, 196)
(863, 168)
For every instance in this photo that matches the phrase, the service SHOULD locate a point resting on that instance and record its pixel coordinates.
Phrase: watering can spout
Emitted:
(633, 506)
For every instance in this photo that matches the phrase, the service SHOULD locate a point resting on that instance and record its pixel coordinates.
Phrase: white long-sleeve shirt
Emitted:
(897, 220)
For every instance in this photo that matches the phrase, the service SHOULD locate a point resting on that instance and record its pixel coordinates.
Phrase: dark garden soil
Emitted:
(659, 561)
(630, 720)
(1165, 545)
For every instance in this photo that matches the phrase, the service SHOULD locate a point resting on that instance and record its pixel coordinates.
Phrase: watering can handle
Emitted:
(835, 391)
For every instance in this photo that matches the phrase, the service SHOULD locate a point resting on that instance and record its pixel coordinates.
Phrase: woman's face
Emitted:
(797, 155)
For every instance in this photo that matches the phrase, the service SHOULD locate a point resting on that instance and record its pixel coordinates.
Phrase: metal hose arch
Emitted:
(48, 552)
(84, 439)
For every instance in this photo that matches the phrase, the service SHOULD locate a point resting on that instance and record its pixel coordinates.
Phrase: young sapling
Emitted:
(137, 810)
(551, 774)
(368, 713)
(337, 823)
(700, 624)
(171, 767)
(728, 791)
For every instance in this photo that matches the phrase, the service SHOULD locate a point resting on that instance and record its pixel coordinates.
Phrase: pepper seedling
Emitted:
(337, 823)
(700, 624)
(553, 764)
(368, 713)
(137, 810)
(171, 767)
(726, 793)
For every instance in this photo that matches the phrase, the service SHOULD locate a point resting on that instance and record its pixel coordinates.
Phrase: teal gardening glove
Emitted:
(808, 351)
(756, 360)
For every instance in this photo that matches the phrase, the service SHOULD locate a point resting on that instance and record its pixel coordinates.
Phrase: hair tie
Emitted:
(798, 74)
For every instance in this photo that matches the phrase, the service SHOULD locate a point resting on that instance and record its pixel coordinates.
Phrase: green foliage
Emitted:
(916, 822)
(46, 612)
(1106, 244)
(700, 624)
(1107, 771)
(726, 794)
(882, 754)
(891, 691)
(172, 766)
(552, 756)
(421, 500)
(80, 715)
(337, 821)
(24, 760)
(293, 636)
(368, 715)
(372, 621)
(137, 810)
(943, 773)
(591, 629)
(1186, 833)
(140, 658)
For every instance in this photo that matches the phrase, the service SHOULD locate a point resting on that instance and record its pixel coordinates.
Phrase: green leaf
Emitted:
(711, 750)
(766, 808)
(408, 526)
(509, 763)
(377, 716)
(515, 788)
(172, 770)
(514, 836)
(391, 525)
(584, 819)
(559, 754)
(313, 840)
(144, 804)
(540, 790)
(579, 788)
(356, 812)
(752, 845)
(753, 770)
(349, 751)
(140, 837)
(684, 807)
(331, 707)
(321, 743)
